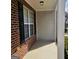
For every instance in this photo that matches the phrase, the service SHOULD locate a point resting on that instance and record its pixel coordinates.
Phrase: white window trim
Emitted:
(29, 23)
(28, 10)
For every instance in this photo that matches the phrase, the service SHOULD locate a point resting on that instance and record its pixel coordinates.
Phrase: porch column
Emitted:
(60, 28)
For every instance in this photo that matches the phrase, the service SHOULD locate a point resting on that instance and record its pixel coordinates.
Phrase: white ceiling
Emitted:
(48, 5)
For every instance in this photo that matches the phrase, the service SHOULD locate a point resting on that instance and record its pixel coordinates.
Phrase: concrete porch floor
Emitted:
(42, 50)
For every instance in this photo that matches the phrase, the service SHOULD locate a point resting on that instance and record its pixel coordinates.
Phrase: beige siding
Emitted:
(46, 25)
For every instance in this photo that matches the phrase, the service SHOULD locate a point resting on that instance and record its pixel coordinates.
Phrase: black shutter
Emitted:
(21, 22)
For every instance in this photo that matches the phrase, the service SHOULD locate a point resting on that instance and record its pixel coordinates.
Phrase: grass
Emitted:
(66, 47)
(66, 42)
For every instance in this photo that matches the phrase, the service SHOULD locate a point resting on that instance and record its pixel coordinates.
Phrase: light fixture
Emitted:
(41, 3)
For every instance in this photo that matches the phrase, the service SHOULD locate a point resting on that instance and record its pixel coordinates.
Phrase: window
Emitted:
(31, 22)
(28, 22)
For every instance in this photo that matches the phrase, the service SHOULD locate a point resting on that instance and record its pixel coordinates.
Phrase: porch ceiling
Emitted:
(48, 4)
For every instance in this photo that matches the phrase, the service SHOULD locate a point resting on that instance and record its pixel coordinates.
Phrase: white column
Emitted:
(60, 28)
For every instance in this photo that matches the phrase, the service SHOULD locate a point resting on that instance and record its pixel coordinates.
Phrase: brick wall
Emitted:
(24, 48)
(15, 33)
(14, 26)
(30, 41)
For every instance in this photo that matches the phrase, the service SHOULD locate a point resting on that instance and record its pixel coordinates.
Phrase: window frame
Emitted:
(28, 23)
(21, 19)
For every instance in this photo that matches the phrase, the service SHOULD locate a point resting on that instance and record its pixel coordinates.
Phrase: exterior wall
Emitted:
(24, 48)
(46, 25)
(15, 32)
(30, 41)
(15, 38)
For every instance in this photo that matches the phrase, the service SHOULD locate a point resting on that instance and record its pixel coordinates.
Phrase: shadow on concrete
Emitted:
(41, 43)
